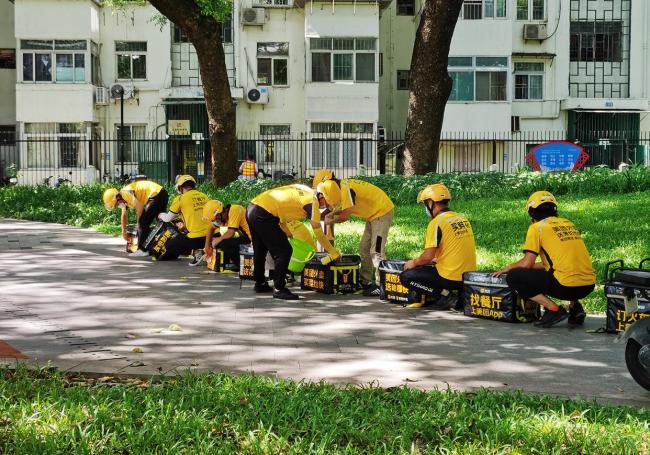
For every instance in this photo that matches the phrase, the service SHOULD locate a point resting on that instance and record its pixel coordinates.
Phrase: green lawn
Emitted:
(46, 413)
(613, 226)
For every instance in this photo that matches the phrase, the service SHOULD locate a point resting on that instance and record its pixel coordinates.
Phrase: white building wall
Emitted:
(7, 76)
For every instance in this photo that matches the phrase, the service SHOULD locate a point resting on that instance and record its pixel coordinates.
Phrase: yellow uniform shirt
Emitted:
(560, 245)
(289, 203)
(237, 220)
(142, 190)
(190, 205)
(451, 233)
(366, 200)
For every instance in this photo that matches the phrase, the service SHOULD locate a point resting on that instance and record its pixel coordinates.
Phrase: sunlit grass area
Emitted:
(46, 412)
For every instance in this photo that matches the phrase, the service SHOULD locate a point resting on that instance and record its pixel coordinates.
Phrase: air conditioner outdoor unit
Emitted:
(253, 16)
(129, 91)
(258, 95)
(535, 31)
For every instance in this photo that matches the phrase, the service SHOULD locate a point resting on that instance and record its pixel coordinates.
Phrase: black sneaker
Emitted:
(577, 314)
(445, 302)
(231, 267)
(263, 287)
(551, 318)
(284, 294)
(371, 290)
(197, 258)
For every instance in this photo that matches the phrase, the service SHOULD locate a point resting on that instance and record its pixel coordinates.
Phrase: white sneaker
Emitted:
(197, 258)
(138, 254)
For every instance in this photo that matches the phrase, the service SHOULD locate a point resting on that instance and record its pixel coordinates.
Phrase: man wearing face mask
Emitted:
(147, 198)
(234, 218)
(449, 251)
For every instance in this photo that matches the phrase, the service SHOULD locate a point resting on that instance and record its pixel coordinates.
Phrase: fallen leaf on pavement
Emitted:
(130, 336)
(136, 349)
(174, 328)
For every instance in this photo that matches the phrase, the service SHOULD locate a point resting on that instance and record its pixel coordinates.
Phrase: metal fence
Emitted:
(55, 159)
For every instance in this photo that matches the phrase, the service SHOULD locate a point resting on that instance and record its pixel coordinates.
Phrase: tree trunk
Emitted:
(205, 34)
(429, 85)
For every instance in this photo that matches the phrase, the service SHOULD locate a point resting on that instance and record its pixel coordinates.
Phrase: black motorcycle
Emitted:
(637, 351)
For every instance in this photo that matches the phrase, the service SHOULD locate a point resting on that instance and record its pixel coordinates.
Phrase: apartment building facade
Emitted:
(579, 67)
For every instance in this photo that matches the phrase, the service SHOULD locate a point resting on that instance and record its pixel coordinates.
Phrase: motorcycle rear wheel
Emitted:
(638, 372)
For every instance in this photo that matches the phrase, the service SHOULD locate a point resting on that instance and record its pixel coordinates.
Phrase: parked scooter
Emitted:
(637, 351)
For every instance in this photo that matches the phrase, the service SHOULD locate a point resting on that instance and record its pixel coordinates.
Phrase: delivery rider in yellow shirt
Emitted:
(350, 197)
(147, 198)
(233, 217)
(189, 205)
(449, 251)
(565, 271)
(267, 214)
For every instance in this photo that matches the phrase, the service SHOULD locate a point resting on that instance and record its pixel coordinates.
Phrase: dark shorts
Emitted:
(427, 280)
(531, 282)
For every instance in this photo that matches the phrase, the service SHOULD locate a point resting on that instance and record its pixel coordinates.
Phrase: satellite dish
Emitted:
(117, 91)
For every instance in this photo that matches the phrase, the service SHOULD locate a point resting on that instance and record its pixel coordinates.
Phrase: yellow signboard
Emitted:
(178, 127)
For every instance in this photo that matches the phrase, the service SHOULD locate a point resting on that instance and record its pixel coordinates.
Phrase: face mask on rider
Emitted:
(427, 210)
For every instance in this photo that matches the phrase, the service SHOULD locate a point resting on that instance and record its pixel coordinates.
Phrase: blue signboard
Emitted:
(557, 156)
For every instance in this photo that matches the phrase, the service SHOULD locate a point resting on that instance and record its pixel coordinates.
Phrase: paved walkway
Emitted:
(72, 297)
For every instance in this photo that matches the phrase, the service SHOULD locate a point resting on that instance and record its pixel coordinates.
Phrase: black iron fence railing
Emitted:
(55, 158)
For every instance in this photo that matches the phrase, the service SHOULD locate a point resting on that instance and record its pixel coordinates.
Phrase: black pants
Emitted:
(427, 280)
(531, 282)
(230, 248)
(154, 207)
(268, 237)
(182, 245)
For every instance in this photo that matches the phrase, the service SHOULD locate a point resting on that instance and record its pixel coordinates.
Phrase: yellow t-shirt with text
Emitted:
(559, 244)
(451, 233)
(190, 206)
(142, 190)
(288, 203)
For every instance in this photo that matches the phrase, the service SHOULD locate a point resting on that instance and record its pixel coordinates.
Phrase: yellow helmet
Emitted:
(181, 179)
(110, 198)
(211, 209)
(330, 191)
(538, 198)
(321, 176)
(436, 192)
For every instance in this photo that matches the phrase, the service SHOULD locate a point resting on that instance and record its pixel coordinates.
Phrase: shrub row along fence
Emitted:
(56, 158)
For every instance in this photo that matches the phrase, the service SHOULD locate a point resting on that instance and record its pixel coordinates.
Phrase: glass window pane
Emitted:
(491, 86)
(538, 10)
(365, 44)
(43, 67)
(536, 86)
(357, 128)
(275, 130)
(349, 153)
(488, 8)
(79, 68)
(496, 62)
(124, 66)
(501, 8)
(326, 128)
(343, 44)
(139, 66)
(521, 86)
(332, 154)
(35, 44)
(317, 148)
(264, 71)
(280, 76)
(320, 43)
(28, 67)
(522, 10)
(365, 67)
(463, 86)
(459, 61)
(320, 66)
(64, 64)
(527, 66)
(272, 49)
(342, 67)
(131, 46)
(367, 153)
(68, 45)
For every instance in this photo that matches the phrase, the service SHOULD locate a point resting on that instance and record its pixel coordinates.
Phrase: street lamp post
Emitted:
(117, 91)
